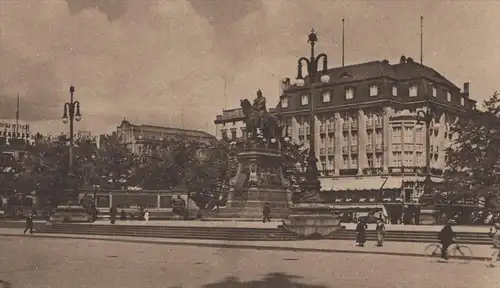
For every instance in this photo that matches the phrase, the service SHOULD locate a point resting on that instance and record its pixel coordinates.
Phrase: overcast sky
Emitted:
(150, 60)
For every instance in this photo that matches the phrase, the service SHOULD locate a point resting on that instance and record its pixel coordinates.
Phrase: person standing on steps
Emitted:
(361, 233)
(380, 229)
(29, 224)
(112, 214)
(266, 212)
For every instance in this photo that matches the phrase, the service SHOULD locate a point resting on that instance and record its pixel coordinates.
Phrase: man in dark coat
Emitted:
(112, 214)
(446, 237)
(361, 233)
(266, 212)
(29, 224)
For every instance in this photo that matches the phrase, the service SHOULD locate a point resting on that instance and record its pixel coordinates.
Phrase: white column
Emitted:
(387, 139)
(362, 159)
(338, 144)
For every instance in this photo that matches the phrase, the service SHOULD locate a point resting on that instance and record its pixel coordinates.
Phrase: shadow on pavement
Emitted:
(271, 280)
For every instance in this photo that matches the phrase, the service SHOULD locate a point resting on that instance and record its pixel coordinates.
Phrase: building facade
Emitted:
(230, 124)
(10, 131)
(367, 135)
(14, 138)
(142, 138)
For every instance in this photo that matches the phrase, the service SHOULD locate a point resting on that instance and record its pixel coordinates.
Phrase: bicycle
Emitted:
(456, 251)
(495, 258)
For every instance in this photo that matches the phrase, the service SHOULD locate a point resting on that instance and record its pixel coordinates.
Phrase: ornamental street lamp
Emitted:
(312, 65)
(426, 116)
(71, 112)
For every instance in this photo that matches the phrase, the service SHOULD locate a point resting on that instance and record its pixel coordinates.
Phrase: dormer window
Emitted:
(373, 90)
(413, 91)
(434, 91)
(326, 97)
(304, 100)
(349, 93)
(394, 91)
(284, 102)
(462, 101)
(345, 75)
(448, 96)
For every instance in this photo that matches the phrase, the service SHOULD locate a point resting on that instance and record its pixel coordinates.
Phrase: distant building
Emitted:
(14, 138)
(83, 134)
(230, 124)
(141, 138)
(10, 131)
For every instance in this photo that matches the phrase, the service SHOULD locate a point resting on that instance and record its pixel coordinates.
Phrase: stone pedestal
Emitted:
(428, 217)
(312, 220)
(259, 180)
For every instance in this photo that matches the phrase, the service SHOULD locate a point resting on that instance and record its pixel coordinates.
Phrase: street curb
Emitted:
(237, 246)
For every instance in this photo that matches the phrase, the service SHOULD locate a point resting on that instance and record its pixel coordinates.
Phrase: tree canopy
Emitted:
(473, 162)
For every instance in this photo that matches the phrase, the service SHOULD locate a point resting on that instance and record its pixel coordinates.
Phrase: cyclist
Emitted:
(446, 237)
(496, 237)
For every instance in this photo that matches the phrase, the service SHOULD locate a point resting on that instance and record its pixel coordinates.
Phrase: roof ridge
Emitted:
(173, 128)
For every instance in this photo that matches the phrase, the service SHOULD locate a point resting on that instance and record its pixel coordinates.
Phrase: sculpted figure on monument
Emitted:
(259, 104)
(259, 123)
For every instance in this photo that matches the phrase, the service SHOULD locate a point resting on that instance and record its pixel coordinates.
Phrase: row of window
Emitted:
(13, 134)
(374, 91)
(13, 126)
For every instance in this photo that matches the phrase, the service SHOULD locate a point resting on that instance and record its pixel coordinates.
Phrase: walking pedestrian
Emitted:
(146, 216)
(29, 224)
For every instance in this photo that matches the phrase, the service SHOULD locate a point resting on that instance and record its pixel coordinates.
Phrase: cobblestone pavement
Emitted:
(326, 245)
(63, 263)
(275, 224)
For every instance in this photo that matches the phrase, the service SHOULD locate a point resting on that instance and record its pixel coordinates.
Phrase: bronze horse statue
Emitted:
(271, 125)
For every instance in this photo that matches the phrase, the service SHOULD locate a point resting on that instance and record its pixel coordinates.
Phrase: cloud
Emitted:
(113, 9)
(150, 60)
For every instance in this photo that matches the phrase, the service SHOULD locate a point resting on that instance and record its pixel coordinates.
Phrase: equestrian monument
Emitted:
(260, 177)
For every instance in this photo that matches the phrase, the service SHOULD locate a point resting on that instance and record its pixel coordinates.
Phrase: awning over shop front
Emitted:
(422, 179)
(360, 183)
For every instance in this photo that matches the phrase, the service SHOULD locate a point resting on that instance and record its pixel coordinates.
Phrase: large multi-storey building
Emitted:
(142, 138)
(14, 138)
(367, 134)
(12, 131)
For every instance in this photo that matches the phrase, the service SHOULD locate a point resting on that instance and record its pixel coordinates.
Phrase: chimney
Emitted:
(403, 59)
(409, 60)
(466, 88)
(385, 61)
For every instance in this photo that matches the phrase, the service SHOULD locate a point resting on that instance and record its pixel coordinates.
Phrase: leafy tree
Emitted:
(45, 169)
(295, 165)
(112, 165)
(212, 170)
(473, 162)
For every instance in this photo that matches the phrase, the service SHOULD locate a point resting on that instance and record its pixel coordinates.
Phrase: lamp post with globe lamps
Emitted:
(426, 116)
(71, 113)
(312, 65)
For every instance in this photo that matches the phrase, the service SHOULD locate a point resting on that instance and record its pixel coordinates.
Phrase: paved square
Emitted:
(65, 263)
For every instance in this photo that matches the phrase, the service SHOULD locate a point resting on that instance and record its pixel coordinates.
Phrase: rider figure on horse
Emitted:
(259, 104)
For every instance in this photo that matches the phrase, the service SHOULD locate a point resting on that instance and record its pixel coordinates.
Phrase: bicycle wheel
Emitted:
(495, 258)
(433, 250)
(463, 253)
